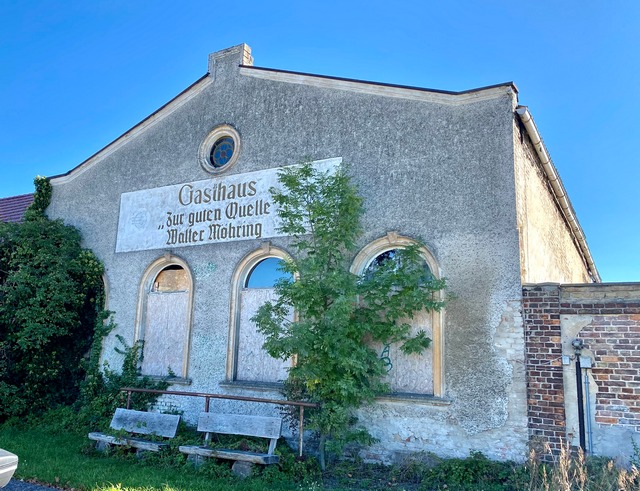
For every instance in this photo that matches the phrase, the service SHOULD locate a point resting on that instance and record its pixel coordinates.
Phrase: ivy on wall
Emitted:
(52, 323)
(50, 296)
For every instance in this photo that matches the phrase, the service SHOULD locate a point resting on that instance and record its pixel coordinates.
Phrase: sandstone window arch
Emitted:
(164, 317)
(409, 374)
(252, 286)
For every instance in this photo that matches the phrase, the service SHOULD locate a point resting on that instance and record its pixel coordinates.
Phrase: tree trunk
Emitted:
(321, 456)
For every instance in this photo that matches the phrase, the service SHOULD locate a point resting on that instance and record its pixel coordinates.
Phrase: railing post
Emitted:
(207, 435)
(128, 399)
(301, 431)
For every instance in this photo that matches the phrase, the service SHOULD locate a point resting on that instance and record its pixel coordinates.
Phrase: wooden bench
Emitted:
(141, 423)
(241, 425)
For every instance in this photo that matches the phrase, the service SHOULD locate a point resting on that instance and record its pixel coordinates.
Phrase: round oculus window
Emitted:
(222, 152)
(220, 149)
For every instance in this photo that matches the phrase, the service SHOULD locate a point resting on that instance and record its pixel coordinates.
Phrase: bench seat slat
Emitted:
(240, 425)
(223, 453)
(130, 442)
(141, 423)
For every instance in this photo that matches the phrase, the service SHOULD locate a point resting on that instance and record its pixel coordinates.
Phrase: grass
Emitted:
(66, 459)
(63, 459)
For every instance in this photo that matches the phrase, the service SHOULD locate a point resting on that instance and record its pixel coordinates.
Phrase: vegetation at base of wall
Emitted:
(635, 457)
(100, 392)
(574, 471)
(52, 450)
(340, 316)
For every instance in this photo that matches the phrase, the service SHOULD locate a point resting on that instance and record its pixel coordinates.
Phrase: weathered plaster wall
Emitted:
(548, 252)
(473, 416)
(439, 172)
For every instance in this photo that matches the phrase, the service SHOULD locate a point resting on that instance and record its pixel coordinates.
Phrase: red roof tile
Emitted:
(12, 209)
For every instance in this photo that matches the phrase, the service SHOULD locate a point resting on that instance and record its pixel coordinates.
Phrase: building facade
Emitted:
(178, 210)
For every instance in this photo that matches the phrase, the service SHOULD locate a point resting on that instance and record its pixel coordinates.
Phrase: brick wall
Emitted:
(613, 338)
(608, 320)
(543, 350)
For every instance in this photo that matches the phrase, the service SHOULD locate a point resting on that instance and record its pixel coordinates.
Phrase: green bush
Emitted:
(50, 297)
(100, 392)
(473, 473)
(52, 324)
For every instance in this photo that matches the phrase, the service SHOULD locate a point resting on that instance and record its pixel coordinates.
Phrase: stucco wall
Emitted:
(436, 171)
(548, 252)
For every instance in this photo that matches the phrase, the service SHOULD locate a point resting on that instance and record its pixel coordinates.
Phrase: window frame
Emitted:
(240, 276)
(146, 287)
(204, 151)
(394, 241)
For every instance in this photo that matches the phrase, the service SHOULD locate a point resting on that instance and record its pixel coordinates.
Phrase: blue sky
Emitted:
(77, 74)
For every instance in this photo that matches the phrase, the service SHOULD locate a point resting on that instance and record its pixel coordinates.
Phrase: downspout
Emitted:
(559, 191)
(587, 402)
(581, 432)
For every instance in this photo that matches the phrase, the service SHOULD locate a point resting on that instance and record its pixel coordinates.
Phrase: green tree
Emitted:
(53, 322)
(50, 299)
(339, 315)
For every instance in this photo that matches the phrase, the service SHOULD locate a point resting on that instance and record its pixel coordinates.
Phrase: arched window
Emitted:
(412, 374)
(265, 273)
(253, 285)
(164, 317)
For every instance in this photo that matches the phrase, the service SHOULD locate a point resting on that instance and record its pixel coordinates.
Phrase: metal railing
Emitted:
(207, 398)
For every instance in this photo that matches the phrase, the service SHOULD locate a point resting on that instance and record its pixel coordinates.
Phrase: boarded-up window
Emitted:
(410, 373)
(166, 323)
(407, 373)
(253, 363)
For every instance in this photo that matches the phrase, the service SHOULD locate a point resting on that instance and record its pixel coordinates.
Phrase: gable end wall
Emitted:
(548, 252)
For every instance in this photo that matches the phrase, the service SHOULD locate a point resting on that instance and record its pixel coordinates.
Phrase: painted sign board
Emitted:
(220, 209)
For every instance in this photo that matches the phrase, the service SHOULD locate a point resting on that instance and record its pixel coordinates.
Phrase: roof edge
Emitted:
(246, 68)
(383, 84)
(17, 196)
(150, 120)
(380, 88)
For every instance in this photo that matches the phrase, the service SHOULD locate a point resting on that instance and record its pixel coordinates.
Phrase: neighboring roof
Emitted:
(12, 209)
